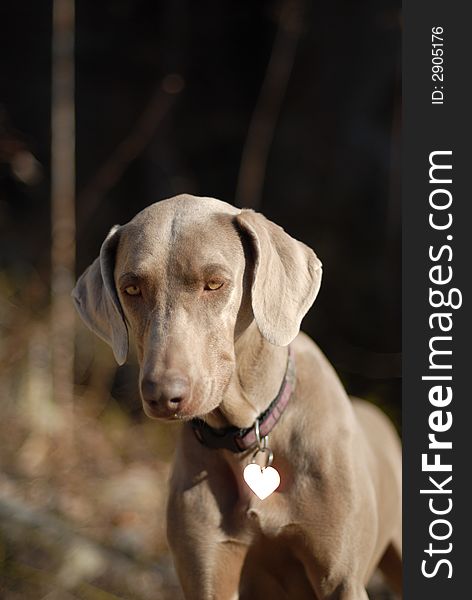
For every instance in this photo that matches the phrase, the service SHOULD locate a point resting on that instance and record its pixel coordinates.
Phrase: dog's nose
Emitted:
(170, 389)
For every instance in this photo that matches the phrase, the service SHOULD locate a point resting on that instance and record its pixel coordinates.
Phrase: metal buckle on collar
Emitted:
(262, 446)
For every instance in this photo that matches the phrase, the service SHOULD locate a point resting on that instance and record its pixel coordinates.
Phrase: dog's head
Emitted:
(186, 278)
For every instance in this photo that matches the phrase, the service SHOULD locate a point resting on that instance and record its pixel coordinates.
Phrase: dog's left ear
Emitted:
(96, 299)
(286, 279)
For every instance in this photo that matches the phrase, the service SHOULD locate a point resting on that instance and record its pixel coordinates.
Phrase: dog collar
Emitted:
(237, 439)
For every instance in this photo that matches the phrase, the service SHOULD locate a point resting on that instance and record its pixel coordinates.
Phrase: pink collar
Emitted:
(238, 440)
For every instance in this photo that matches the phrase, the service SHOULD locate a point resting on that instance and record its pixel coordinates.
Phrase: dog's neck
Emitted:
(260, 369)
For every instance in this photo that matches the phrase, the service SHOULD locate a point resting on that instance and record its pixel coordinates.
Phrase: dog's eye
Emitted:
(132, 290)
(213, 285)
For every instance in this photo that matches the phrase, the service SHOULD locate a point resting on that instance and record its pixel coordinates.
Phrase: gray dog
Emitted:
(213, 297)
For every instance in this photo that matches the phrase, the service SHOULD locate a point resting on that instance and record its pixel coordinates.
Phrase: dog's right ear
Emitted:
(97, 302)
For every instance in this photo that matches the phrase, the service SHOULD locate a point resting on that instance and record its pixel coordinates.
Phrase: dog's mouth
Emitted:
(158, 416)
(167, 413)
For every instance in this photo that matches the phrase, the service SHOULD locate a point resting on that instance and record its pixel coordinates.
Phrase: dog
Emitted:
(214, 296)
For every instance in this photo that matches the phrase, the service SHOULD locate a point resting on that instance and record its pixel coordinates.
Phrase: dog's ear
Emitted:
(97, 302)
(286, 278)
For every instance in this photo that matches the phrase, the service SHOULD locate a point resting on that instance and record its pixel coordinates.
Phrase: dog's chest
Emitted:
(251, 518)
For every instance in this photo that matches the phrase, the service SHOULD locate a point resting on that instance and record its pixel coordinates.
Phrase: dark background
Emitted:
(173, 87)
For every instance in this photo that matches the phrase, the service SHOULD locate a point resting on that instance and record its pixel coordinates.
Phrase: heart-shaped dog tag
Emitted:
(262, 481)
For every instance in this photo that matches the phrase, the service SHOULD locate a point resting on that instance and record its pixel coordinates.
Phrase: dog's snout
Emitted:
(174, 388)
(166, 392)
(149, 390)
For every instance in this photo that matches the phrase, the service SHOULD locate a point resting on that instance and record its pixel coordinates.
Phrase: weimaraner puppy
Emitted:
(213, 297)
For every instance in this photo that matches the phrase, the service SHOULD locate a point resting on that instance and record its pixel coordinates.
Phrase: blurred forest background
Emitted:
(290, 107)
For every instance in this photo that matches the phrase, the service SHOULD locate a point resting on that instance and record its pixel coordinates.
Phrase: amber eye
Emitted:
(132, 290)
(213, 285)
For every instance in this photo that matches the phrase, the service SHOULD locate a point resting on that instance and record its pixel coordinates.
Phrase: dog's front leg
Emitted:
(347, 591)
(336, 570)
(207, 562)
(339, 587)
(335, 588)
